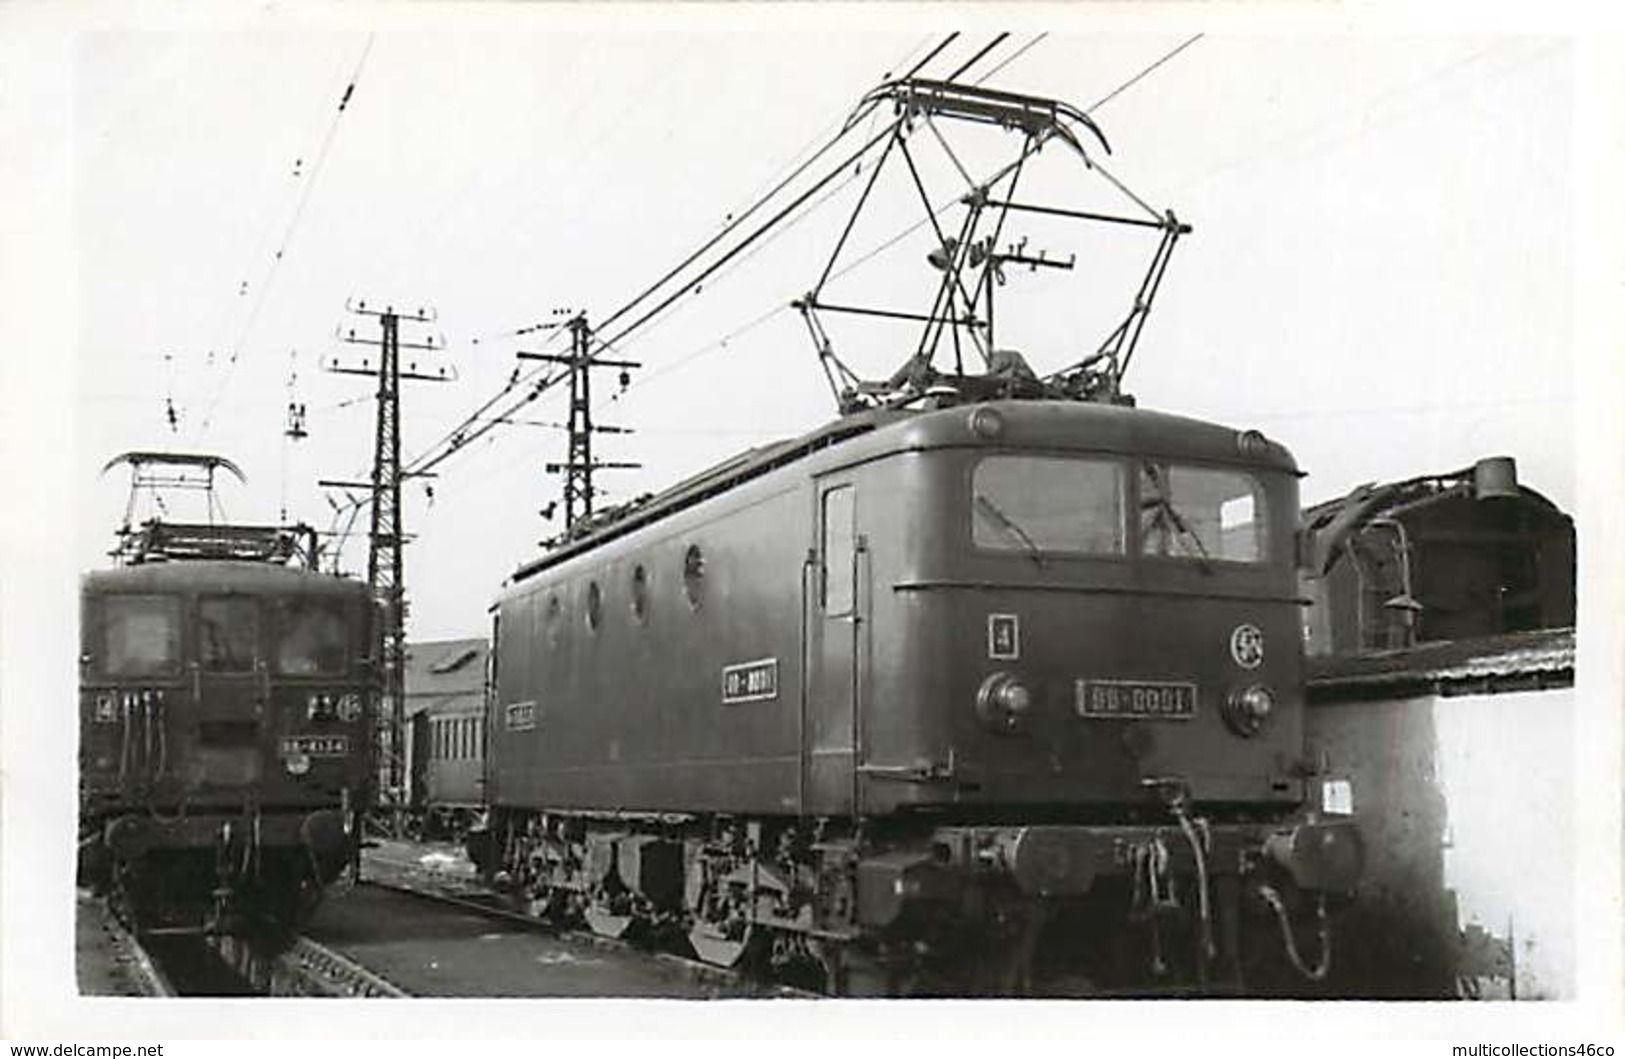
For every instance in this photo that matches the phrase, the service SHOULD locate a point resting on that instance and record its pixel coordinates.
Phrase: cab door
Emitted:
(837, 623)
(231, 688)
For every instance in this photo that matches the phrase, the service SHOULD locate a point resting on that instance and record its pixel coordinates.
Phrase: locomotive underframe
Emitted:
(214, 871)
(887, 907)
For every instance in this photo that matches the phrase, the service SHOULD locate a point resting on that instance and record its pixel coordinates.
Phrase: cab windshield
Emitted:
(227, 633)
(1201, 513)
(310, 637)
(141, 635)
(1041, 504)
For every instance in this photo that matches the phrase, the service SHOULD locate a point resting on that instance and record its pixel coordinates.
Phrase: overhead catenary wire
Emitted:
(773, 184)
(931, 215)
(467, 430)
(729, 228)
(759, 320)
(917, 67)
(974, 59)
(1012, 57)
(525, 390)
(471, 428)
(218, 335)
(1137, 78)
(288, 234)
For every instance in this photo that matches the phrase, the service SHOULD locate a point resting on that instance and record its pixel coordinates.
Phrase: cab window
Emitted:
(1043, 504)
(227, 632)
(840, 542)
(311, 637)
(140, 635)
(1202, 513)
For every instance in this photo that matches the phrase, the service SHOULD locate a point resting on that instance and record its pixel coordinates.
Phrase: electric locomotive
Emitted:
(953, 700)
(226, 705)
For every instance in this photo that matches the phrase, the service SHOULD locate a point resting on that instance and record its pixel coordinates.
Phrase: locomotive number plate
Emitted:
(521, 716)
(750, 681)
(1110, 699)
(315, 746)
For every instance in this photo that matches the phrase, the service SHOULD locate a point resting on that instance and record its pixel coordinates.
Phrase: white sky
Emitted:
(1406, 255)
(1382, 248)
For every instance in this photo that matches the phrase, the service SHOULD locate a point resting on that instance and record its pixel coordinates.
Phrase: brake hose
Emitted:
(1324, 965)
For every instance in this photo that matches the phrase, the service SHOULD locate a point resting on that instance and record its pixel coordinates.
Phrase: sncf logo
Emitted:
(1247, 646)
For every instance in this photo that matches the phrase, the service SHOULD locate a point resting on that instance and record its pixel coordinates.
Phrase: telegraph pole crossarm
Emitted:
(579, 464)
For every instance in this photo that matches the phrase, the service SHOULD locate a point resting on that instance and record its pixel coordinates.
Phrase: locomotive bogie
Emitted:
(913, 903)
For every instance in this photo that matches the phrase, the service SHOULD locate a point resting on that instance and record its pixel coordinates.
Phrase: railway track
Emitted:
(306, 968)
(388, 939)
(113, 960)
(110, 961)
(712, 980)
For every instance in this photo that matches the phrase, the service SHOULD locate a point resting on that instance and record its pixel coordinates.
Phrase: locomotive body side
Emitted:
(805, 569)
(226, 711)
(627, 713)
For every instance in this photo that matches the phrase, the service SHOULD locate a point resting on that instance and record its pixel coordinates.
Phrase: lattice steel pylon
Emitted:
(579, 465)
(385, 566)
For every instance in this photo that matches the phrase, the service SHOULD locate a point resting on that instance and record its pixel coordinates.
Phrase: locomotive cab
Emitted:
(1092, 607)
(225, 711)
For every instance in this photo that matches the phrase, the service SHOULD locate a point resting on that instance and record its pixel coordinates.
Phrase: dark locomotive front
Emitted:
(946, 701)
(225, 750)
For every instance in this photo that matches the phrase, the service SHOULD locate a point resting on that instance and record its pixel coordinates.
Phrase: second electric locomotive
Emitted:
(227, 703)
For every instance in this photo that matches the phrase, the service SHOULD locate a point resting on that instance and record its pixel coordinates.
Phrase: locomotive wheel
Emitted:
(714, 947)
(607, 924)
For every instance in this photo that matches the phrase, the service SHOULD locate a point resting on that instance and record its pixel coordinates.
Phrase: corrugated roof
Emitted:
(441, 668)
(1509, 662)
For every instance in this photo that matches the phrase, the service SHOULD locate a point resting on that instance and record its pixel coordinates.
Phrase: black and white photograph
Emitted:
(970, 521)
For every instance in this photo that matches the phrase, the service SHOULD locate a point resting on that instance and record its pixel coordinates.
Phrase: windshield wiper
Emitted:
(1011, 527)
(1167, 516)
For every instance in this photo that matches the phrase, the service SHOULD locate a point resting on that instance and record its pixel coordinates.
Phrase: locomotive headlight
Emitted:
(1248, 710)
(1002, 701)
(987, 424)
(319, 706)
(349, 707)
(1251, 443)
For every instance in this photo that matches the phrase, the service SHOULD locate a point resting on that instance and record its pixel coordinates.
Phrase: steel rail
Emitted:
(130, 958)
(305, 968)
(696, 969)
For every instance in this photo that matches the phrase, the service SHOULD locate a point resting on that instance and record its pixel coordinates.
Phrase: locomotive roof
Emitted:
(1084, 426)
(215, 575)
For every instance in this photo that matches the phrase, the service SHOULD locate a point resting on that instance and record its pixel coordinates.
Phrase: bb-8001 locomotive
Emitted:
(960, 700)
